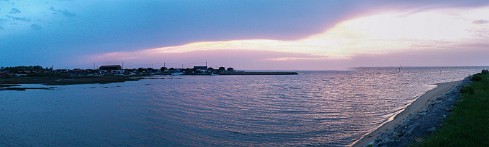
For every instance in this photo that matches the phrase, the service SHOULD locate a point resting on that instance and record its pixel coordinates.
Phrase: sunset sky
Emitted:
(245, 34)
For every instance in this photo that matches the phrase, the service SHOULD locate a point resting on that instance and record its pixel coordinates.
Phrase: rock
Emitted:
(397, 135)
(370, 143)
(431, 130)
(418, 139)
(448, 109)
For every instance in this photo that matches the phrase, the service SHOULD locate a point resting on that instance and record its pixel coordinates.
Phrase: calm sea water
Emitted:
(332, 108)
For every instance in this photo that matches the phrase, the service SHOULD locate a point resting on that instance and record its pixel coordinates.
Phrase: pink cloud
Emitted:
(383, 39)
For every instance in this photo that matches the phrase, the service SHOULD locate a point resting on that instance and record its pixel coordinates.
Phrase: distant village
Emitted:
(109, 70)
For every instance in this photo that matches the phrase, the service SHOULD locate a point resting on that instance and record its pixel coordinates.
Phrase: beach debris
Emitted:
(371, 143)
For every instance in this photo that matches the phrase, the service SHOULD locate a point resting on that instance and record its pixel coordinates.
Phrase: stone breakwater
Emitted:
(258, 73)
(420, 124)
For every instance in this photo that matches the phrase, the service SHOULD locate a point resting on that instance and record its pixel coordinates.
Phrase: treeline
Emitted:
(15, 69)
(29, 71)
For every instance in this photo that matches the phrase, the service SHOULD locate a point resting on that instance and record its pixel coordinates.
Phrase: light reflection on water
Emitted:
(313, 108)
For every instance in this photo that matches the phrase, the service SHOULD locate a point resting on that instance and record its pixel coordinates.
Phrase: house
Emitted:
(61, 70)
(4, 74)
(202, 68)
(111, 69)
(199, 69)
(20, 75)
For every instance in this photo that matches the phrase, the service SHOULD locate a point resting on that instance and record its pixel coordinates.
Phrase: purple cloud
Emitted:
(480, 21)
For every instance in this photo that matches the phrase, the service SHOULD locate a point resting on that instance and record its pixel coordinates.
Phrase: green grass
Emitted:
(468, 124)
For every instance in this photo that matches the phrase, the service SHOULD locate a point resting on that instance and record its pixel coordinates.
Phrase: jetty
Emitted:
(258, 73)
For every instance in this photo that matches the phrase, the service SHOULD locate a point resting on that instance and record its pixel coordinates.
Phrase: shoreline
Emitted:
(391, 132)
(8, 82)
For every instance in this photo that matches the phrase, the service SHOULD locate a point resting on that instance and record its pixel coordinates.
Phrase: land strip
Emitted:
(420, 118)
(467, 124)
(64, 81)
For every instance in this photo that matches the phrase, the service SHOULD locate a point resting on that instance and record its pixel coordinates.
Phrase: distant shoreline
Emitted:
(420, 105)
(65, 81)
(11, 82)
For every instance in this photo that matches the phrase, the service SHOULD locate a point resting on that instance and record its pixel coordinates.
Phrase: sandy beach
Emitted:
(421, 104)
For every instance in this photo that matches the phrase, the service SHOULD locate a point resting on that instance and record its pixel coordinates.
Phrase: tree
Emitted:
(141, 70)
(210, 69)
(222, 69)
(230, 69)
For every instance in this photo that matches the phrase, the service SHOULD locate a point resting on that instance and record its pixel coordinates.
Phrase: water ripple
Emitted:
(313, 108)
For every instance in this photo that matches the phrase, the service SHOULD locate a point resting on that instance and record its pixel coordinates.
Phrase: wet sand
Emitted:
(420, 104)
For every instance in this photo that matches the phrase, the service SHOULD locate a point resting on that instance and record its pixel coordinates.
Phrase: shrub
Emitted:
(476, 77)
(485, 71)
(467, 90)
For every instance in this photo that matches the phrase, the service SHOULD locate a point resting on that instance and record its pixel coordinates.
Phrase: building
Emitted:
(199, 69)
(202, 68)
(112, 69)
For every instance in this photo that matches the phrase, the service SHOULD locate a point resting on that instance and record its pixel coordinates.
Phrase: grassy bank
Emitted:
(468, 124)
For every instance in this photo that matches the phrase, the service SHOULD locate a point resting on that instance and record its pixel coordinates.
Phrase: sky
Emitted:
(244, 34)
